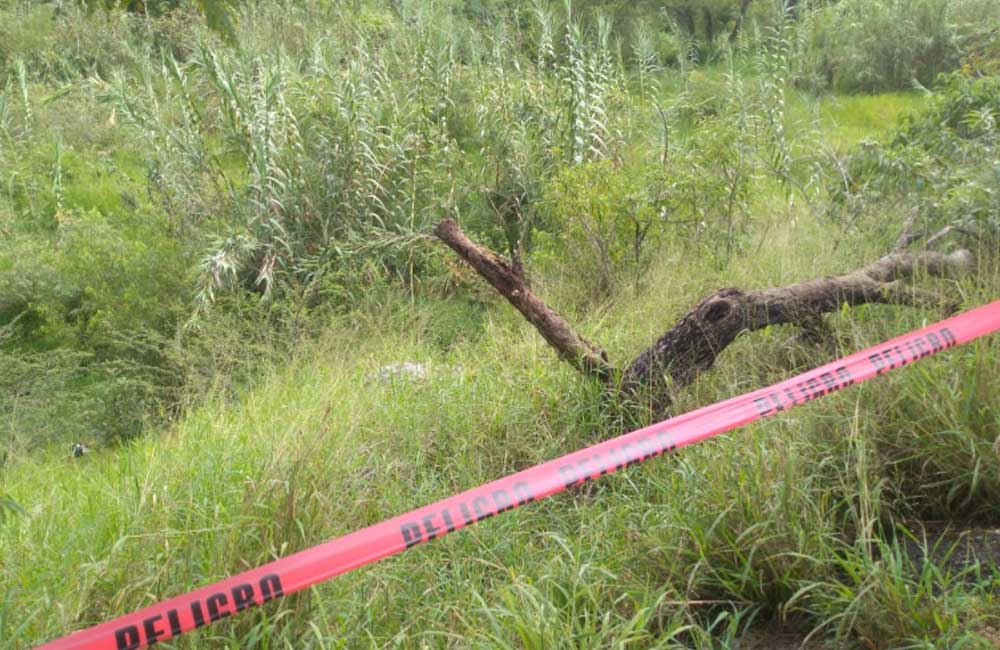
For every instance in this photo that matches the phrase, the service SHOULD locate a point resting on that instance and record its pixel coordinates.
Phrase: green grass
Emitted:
(779, 519)
(281, 438)
(845, 120)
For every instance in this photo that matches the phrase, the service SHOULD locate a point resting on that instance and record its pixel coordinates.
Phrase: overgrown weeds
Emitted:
(208, 251)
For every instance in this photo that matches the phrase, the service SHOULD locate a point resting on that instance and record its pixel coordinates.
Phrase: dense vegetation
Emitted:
(214, 229)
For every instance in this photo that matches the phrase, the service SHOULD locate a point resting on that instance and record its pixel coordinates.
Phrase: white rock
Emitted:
(403, 370)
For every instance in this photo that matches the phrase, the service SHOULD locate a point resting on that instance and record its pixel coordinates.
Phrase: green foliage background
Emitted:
(214, 230)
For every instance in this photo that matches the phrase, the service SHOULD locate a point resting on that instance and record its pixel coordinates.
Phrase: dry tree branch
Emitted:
(907, 236)
(692, 345)
(509, 282)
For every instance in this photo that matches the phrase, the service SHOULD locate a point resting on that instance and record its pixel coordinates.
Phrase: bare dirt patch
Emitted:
(775, 637)
(955, 549)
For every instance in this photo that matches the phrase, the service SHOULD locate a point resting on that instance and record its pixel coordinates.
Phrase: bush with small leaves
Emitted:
(943, 159)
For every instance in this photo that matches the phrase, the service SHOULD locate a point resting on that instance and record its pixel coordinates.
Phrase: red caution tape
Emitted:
(296, 572)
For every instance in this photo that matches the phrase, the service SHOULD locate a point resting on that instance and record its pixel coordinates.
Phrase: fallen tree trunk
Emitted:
(692, 345)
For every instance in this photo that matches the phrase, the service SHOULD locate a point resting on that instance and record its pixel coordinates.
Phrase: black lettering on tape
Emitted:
(243, 597)
(763, 407)
(481, 506)
(625, 456)
(448, 523)
(429, 527)
(604, 464)
(127, 638)
(215, 603)
(157, 627)
(522, 492)
(466, 515)
(270, 587)
(175, 622)
(197, 614)
(411, 534)
(502, 500)
(612, 462)
(899, 353)
(152, 632)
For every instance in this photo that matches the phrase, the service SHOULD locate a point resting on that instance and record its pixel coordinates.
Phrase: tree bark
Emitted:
(509, 281)
(687, 17)
(709, 26)
(744, 5)
(692, 345)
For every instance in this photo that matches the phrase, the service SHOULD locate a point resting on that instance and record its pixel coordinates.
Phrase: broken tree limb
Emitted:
(508, 280)
(692, 345)
(947, 230)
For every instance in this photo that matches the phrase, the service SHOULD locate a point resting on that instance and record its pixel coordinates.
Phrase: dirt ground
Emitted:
(954, 548)
(775, 638)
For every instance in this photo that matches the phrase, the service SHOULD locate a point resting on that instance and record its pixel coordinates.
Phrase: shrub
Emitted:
(601, 217)
(83, 325)
(872, 46)
(702, 191)
(942, 158)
